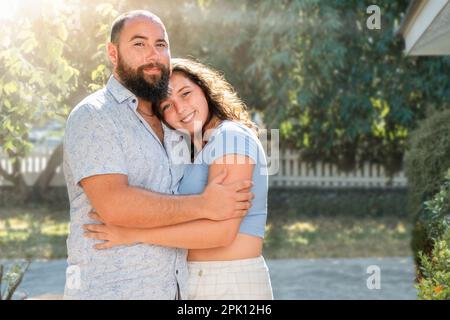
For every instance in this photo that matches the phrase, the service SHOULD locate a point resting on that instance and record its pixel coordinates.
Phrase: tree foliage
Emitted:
(338, 91)
(47, 65)
(35, 81)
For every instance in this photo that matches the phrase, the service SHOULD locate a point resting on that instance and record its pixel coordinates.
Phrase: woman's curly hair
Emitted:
(223, 101)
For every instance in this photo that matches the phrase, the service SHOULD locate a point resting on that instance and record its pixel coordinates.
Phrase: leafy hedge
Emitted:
(355, 202)
(435, 282)
(427, 159)
(426, 164)
(434, 270)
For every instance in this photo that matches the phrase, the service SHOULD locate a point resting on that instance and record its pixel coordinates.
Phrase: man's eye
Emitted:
(139, 44)
(161, 44)
(165, 107)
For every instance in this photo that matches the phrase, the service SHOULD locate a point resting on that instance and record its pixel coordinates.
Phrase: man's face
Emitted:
(143, 59)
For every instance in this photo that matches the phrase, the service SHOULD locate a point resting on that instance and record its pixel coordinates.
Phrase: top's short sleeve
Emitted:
(91, 146)
(231, 140)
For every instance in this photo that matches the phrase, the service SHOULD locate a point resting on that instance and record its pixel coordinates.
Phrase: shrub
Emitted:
(426, 162)
(13, 278)
(434, 264)
(438, 212)
(435, 281)
(334, 202)
(427, 158)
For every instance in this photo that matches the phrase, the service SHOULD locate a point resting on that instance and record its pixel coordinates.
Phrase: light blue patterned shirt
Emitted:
(106, 135)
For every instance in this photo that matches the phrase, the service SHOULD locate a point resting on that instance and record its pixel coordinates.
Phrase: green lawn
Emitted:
(338, 237)
(33, 233)
(41, 232)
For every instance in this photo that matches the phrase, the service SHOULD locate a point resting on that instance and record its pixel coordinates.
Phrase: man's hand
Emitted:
(226, 201)
(110, 234)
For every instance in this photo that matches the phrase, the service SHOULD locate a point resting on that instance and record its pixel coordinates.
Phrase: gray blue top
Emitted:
(233, 138)
(105, 135)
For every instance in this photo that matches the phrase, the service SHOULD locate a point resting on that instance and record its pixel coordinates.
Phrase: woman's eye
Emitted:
(165, 107)
(186, 93)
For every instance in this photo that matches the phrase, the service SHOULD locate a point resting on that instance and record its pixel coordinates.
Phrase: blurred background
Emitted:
(363, 116)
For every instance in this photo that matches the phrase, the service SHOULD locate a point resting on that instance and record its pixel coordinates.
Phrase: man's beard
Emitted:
(154, 89)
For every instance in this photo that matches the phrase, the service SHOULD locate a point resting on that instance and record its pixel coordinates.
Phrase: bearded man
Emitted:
(117, 161)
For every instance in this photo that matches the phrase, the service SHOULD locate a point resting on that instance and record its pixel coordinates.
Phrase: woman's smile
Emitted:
(189, 117)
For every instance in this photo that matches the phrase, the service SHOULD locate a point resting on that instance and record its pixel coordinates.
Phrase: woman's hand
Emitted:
(111, 235)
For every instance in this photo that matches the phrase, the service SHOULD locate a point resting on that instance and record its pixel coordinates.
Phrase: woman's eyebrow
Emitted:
(183, 87)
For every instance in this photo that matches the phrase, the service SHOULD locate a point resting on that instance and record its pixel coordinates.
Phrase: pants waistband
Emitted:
(211, 265)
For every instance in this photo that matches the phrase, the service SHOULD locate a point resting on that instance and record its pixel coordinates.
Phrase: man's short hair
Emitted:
(118, 24)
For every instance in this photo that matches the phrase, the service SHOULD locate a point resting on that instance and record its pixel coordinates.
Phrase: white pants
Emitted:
(245, 279)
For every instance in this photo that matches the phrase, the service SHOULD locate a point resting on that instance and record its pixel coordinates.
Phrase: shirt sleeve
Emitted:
(231, 140)
(91, 146)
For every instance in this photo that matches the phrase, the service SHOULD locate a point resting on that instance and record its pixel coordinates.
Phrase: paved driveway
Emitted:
(343, 278)
(291, 279)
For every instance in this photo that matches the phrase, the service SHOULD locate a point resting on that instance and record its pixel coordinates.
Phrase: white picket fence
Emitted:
(292, 172)
(31, 167)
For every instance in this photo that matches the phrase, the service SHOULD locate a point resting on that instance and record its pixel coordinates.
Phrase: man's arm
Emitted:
(199, 234)
(119, 204)
(97, 162)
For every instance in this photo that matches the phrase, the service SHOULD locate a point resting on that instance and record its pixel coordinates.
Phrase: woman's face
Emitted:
(186, 107)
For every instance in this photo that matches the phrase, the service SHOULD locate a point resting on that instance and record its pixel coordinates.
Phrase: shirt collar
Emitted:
(118, 90)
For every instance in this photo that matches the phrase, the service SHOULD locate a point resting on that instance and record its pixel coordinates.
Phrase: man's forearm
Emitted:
(138, 208)
(120, 204)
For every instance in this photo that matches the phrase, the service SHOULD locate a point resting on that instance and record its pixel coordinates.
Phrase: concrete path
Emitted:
(291, 279)
(343, 279)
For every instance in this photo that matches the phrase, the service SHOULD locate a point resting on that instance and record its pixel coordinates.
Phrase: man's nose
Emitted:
(152, 54)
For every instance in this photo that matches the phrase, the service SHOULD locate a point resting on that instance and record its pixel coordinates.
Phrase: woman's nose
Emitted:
(180, 107)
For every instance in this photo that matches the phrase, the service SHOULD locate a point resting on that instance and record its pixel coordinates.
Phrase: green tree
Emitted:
(35, 80)
(49, 66)
(337, 90)
(358, 96)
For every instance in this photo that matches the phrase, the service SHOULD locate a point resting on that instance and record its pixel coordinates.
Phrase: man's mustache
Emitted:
(160, 66)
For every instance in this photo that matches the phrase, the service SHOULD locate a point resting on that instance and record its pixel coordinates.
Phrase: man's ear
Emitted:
(113, 53)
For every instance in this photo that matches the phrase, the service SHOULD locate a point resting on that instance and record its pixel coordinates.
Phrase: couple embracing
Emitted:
(148, 219)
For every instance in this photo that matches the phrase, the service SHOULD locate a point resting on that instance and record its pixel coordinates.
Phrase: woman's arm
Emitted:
(199, 234)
